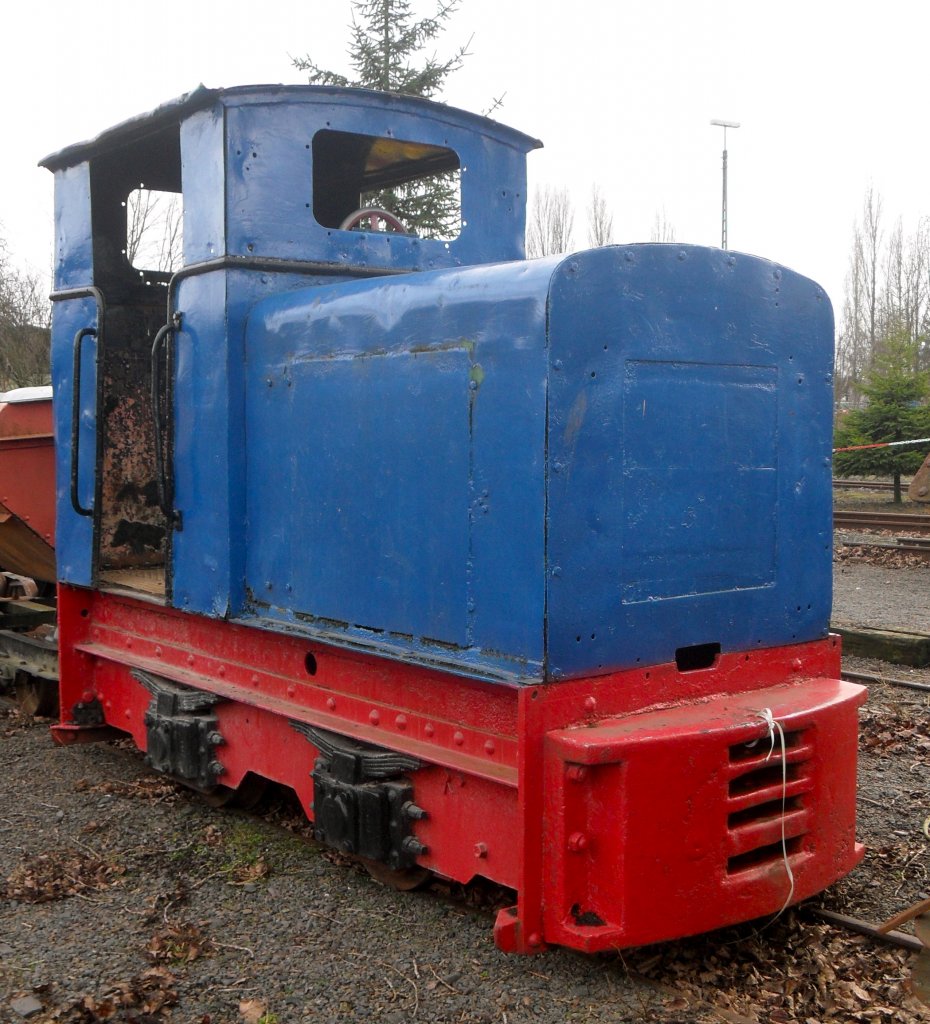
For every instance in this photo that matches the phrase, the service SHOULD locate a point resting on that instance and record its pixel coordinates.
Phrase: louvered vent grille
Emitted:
(760, 793)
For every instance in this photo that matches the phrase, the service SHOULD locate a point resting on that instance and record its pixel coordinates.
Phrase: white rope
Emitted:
(774, 726)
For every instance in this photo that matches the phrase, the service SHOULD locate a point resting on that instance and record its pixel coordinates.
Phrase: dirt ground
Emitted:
(124, 898)
(877, 501)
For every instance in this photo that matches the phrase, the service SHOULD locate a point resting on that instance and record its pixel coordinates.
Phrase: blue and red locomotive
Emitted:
(513, 569)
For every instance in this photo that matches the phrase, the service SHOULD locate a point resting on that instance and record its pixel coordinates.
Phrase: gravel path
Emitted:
(125, 899)
(240, 915)
(870, 595)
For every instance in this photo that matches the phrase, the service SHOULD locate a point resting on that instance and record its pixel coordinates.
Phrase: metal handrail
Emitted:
(84, 332)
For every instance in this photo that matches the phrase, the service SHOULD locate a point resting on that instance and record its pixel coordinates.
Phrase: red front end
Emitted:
(623, 809)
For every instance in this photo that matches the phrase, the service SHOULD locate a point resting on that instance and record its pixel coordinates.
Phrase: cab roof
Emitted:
(176, 110)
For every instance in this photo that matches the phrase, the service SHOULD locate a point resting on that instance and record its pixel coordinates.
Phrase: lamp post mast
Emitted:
(723, 227)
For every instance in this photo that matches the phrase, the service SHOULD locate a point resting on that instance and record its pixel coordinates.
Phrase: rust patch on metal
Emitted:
(132, 526)
(576, 418)
(23, 551)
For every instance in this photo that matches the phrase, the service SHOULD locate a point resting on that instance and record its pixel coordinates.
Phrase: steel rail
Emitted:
(917, 550)
(856, 924)
(915, 521)
(868, 677)
(867, 485)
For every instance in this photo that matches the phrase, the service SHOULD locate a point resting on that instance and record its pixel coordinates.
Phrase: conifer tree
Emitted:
(896, 410)
(385, 53)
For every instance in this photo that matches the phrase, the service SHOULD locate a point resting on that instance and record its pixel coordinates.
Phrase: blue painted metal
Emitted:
(518, 470)
(74, 532)
(685, 396)
(209, 434)
(73, 236)
(262, 142)
(73, 270)
(204, 178)
(269, 171)
(248, 173)
(395, 446)
(689, 447)
(246, 165)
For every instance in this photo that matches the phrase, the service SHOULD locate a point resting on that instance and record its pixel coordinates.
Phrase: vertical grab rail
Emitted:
(84, 332)
(165, 497)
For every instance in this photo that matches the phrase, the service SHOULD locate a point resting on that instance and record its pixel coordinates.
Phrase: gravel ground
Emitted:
(128, 900)
(894, 797)
(244, 916)
(871, 595)
(123, 898)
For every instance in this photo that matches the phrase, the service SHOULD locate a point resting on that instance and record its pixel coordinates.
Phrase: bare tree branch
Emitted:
(662, 228)
(600, 220)
(154, 222)
(25, 320)
(550, 223)
(886, 301)
(857, 341)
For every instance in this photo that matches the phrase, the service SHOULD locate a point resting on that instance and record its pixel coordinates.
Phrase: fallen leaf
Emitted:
(251, 1010)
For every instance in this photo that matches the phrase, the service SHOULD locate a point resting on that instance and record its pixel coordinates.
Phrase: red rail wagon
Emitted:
(27, 483)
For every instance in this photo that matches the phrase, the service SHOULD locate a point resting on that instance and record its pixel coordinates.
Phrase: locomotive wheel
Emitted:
(36, 697)
(245, 797)
(401, 879)
(380, 221)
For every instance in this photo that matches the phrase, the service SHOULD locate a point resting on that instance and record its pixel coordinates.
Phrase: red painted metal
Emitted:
(27, 464)
(623, 809)
(683, 781)
(27, 488)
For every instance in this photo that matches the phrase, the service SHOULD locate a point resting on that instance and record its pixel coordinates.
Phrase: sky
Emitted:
(829, 97)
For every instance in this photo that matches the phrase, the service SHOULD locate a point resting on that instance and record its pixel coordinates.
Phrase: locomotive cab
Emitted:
(208, 203)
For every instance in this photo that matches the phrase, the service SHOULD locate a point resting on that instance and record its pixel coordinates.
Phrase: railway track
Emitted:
(915, 547)
(868, 485)
(873, 931)
(912, 522)
(908, 522)
(869, 677)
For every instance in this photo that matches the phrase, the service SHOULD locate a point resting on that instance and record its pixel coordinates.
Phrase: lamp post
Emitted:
(723, 229)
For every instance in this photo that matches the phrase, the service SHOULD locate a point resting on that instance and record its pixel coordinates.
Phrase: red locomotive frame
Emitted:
(623, 809)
